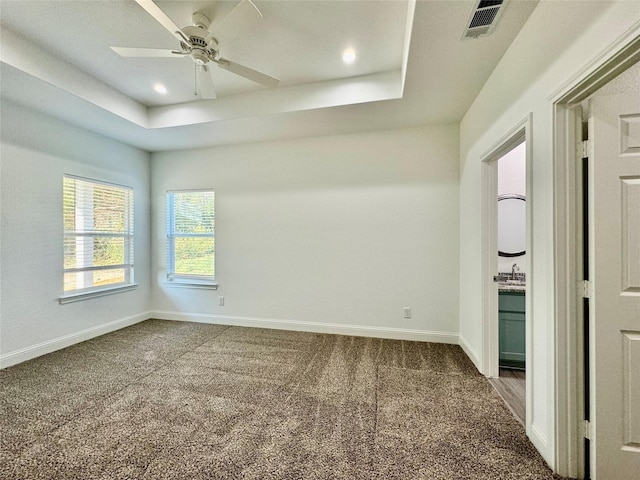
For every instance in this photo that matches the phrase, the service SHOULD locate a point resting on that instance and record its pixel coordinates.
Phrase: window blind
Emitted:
(191, 236)
(98, 235)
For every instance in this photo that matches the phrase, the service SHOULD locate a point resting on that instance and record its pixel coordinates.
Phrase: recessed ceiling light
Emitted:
(161, 89)
(349, 55)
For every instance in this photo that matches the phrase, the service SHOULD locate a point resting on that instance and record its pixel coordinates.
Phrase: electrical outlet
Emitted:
(221, 301)
(406, 312)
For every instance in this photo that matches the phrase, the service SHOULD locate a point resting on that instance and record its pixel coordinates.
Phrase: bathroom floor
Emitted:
(511, 387)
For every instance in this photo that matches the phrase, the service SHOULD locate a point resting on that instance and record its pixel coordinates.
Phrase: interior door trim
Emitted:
(616, 58)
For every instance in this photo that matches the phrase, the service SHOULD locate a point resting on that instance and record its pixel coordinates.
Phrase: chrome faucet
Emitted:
(515, 268)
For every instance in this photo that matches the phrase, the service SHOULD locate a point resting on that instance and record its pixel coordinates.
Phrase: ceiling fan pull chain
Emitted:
(195, 79)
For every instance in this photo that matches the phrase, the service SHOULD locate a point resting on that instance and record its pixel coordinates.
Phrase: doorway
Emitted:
(512, 260)
(507, 267)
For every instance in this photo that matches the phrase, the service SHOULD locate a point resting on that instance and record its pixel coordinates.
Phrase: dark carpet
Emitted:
(172, 400)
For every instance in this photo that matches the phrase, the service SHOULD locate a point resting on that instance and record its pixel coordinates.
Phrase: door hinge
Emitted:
(588, 430)
(585, 150)
(586, 289)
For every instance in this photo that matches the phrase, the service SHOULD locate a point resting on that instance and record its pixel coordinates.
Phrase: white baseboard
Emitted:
(471, 352)
(315, 327)
(33, 351)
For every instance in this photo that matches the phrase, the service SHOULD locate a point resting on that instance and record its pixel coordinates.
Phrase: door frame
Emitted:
(569, 384)
(520, 133)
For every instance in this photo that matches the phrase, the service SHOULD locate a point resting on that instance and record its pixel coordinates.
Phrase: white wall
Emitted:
(36, 151)
(512, 174)
(559, 40)
(334, 233)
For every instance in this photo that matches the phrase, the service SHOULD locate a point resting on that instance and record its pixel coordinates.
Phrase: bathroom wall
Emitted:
(512, 180)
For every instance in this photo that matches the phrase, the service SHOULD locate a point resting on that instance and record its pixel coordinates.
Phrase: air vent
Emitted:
(483, 18)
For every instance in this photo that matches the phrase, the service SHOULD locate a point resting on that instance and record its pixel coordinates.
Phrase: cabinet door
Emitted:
(512, 339)
(511, 302)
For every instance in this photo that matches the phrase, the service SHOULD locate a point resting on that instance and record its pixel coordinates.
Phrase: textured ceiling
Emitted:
(295, 41)
(56, 59)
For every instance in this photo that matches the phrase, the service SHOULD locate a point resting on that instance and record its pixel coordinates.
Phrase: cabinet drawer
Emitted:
(510, 302)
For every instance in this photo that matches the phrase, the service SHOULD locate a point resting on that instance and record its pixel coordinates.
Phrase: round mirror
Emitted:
(512, 225)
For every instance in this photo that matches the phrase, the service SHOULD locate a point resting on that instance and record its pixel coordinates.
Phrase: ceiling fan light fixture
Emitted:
(160, 88)
(349, 56)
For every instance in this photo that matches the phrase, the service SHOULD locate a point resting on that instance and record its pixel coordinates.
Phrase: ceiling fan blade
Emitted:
(239, 20)
(145, 52)
(153, 10)
(205, 82)
(248, 73)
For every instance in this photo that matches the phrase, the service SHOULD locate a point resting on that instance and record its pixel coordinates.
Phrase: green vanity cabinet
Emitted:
(512, 329)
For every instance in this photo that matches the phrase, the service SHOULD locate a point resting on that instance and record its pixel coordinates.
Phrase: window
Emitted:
(98, 237)
(191, 237)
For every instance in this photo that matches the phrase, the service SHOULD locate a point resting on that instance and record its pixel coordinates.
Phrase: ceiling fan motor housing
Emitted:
(199, 37)
(203, 47)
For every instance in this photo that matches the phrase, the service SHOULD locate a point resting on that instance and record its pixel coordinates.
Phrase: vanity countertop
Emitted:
(511, 282)
(511, 288)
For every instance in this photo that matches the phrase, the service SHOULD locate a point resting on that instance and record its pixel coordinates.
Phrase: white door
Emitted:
(614, 129)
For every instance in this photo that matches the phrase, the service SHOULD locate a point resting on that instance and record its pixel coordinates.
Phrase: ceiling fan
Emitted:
(197, 41)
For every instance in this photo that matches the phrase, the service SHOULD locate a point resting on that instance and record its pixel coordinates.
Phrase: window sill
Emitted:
(77, 297)
(179, 284)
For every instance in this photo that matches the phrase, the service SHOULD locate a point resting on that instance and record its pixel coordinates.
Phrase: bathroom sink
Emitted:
(504, 278)
(509, 281)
